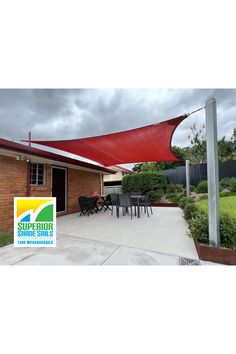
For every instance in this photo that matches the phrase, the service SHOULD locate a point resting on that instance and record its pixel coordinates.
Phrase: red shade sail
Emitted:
(146, 144)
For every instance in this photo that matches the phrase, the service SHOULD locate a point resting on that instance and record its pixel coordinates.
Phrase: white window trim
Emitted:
(44, 174)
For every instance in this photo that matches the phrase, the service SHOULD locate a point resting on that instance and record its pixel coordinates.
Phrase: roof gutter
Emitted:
(23, 149)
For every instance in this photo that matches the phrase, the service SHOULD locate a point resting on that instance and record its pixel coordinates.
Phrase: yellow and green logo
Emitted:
(34, 222)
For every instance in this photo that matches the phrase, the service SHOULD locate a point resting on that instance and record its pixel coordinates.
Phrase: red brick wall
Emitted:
(81, 183)
(13, 183)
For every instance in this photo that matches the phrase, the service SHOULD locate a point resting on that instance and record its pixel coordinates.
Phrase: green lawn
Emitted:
(227, 205)
(6, 239)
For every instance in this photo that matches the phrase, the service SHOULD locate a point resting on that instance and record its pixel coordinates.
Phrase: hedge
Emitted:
(198, 223)
(190, 211)
(185, 200)
(144, 182)
(199, 229)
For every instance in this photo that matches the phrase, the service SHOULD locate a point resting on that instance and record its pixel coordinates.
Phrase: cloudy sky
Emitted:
(70, 113)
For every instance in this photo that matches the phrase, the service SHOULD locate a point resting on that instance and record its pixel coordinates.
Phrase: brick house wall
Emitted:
(81, 183)
(13, 183)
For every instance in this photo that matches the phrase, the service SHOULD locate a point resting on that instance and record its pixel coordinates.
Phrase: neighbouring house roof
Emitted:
(145, 144)
(8, 145)
(119, 168)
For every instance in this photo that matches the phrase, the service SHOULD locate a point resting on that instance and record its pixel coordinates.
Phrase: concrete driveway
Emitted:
(104, 239)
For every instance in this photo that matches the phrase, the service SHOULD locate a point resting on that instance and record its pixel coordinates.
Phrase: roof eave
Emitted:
(23, 149)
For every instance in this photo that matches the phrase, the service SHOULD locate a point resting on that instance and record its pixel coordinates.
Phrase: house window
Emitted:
(37, 174)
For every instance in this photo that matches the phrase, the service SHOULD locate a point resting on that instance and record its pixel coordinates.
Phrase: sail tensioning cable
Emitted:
(196, 110)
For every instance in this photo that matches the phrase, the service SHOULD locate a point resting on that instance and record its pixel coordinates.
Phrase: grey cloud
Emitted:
(71, 113)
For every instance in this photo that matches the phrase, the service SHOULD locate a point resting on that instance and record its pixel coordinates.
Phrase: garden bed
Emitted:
(164, 204)
(218, 255)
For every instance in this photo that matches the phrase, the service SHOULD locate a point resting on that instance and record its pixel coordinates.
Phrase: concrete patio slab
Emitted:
(102, 238)
(134, 256)
(165, 231)
(72, 250)
(12, 255)
(69, 251)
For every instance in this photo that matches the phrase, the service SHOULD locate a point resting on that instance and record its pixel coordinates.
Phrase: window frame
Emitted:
(37, 174)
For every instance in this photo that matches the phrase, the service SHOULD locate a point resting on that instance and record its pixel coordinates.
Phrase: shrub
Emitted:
(233, 186)
(171, 188)
(190, 211)
(199, 227)
(144, 182)
(228, 231)
(192, 188)
(175, 199)
(155, 196)
(206, 195)
(171, 195)
(181, 195)
(201, 197)
(226, 182)
(183, 201)
(179, 188)
(202, 187)
(158, 196)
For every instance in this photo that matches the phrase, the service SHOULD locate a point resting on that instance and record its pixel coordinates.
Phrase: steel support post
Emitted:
(212, 173)
(187, 179)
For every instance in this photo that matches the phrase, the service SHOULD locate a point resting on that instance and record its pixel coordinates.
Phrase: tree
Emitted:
(137, 167)
(158, 166)
(233, 139)
(196, 153)
(225, 149)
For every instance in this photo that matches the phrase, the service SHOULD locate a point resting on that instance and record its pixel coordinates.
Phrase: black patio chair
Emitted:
(146, 203)
(114, 203)
(125, 203)
(106, 203)
(86, 205)
(134, 200)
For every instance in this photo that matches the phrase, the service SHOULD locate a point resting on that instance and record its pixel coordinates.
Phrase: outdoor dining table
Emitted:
(137, 199)
(98, 202)
(102, 202)
(94, 201)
